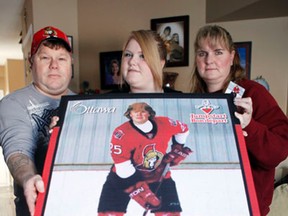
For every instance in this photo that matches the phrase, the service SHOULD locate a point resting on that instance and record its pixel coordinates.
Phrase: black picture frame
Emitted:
(107, 60)
(179, 27)
(79, 154)
(244, 50)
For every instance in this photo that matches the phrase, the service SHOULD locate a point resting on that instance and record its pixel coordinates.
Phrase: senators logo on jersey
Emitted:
(151, 158)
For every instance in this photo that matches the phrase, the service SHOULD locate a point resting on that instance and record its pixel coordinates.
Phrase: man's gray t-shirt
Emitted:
(25, 116)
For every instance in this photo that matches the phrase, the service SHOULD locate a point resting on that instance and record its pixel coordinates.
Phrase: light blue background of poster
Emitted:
(85, 137)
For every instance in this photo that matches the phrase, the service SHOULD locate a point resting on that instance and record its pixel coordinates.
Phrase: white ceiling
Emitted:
(10, 18)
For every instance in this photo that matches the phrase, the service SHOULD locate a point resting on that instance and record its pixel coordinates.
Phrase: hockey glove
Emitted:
(177, 154)
(142, 194)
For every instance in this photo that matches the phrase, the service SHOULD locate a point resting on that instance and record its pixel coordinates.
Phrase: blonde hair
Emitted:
(215, 34)
(154, 50)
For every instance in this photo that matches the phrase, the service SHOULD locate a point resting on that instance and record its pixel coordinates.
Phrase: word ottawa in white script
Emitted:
(83, 109)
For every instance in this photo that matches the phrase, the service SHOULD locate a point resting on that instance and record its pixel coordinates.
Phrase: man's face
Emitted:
(138, 114)
(52, 71)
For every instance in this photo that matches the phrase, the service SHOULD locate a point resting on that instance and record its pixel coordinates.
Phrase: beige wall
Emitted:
(105, 25)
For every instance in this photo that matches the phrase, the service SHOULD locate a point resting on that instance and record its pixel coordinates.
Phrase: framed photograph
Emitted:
(175, 31)
(110, 64)
(244, 50)
(87, 142)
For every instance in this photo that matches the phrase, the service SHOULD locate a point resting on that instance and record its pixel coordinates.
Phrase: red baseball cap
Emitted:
(48, 33)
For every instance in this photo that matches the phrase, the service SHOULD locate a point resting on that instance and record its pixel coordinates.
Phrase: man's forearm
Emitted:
(21, 168)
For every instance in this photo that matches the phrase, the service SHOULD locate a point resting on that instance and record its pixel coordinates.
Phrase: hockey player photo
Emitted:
(147, 154)
(140, 151)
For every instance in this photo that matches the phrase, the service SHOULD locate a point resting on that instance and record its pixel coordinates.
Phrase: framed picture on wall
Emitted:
(244, 50)
(175, 31)
(110, 64)
(87, 142)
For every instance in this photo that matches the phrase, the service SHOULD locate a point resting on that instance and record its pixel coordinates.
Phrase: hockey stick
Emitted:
(159, 185)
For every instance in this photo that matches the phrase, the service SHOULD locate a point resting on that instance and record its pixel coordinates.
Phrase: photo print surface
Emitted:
(80, 155)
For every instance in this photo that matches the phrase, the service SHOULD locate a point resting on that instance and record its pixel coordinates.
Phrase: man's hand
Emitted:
(142, 194)
(177, 154)
(53, 123)
(32, 187)
(24, 174)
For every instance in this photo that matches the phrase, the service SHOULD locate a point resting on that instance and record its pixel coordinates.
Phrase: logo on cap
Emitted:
(46, 33)
(49, 32)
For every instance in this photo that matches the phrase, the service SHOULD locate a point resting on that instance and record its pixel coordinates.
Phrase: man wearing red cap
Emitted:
(26, 114)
